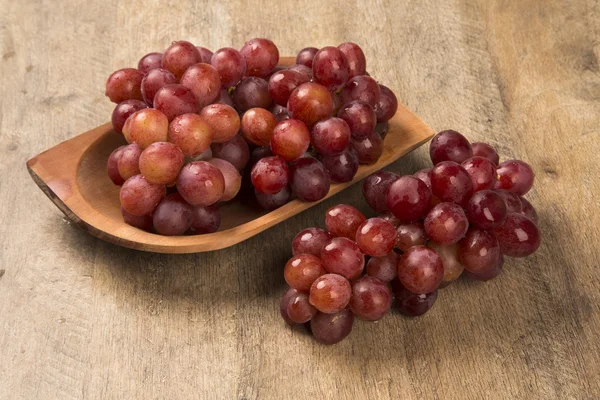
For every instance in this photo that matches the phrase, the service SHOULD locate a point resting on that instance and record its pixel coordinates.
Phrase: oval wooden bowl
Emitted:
(73, 175)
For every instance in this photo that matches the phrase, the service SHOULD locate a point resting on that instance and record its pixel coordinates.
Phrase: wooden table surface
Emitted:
(80, 318)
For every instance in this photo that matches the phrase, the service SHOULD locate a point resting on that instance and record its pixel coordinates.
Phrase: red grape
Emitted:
(479, 250)
(360, 117)
(482, 172)
(332, 328)
(449, 254)
(174, 100)
(310, 241)
(389, 217)
(486, 210)
(310, 103)
(511, 200)
(302, 270)
(230, 64)
(330, 68)
(112, 166)
(258, 125)
(261, 56)
(153, 81)
(299, 310)
(449, 146)
(528, 210)
(161, 162)
(303, 70)
(144, 222)
(310, 181)
(342, 256)
(485, 150)
(203, 80)
(173, 216)
(283, 83)
(124, 84)
(223, 120)
(140, 197)
(384, 268)
(446, 223)
(149, 62)
(387, 105)
(270, 175)
(357, 62)
(425, 176)
(290, 139)
(409, 199)
(341, 167)
(236, 151)
(284, 302)
(179, 57)
(200, 183)
(251, 92)
(451, 182)
(489, 273)
(515, 176)
(368, 149)
(272, 201)
(330, 136)
(225, 98)
(412, 304)
(518, 236)
(205, 54)
(376, 237)
(330, 293)
(190, 133)
(343, 220)
(363, 88)
(420, 270)
(409, 235)
(128, 163)
(371, 298)
(205, 219)
(123, 110)
(375, 188)
(306, 55)
(233, 179)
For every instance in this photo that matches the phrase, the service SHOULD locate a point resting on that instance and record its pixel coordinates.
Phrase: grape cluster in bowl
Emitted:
(463, 215)
(200, 124)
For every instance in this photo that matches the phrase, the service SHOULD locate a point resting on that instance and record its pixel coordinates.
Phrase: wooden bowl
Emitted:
(73, 175)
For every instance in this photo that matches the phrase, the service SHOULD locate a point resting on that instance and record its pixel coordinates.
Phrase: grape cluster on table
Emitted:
(463, 215)
(200, 124)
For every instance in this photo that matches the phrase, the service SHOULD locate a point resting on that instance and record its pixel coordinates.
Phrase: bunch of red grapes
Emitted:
(463, 215)
(199, 123)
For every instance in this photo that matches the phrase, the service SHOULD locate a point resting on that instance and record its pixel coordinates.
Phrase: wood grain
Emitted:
(84, 319)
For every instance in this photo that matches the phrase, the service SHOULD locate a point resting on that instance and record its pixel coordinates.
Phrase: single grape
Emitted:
(173, 216)
(290, 139)
(299, 310)
(409, 235)
(310, 103)
(280, 113)
(302, 270)
(342, 256)
(485, 150)
(205, 54)
(330, 293)
(375, 188)
(149, 62)
(140, 197)
(261, 56)
(420, 270)
(449, 254)
(446, 223)
(360, 117)
(310, 241)
(306, 55)
(482, 172)
(489, 273)
(384, 268)
(341, 167)
(205, 219)
(425, 176)
(270, 175)
(174, 100)
(284, 302)
(258, 125)
(303, 70)
(230, 64)
(410, 303)
(486, 209)
(343, 220)
(112, 166)
(161, 162)
(479, 250)
(191, 134)
(233, 179)
(408, 199)
(528, 210)
(515, 176)
(310, 181)
(511, 200)
(371, 298)
(123, 110)
(330, 68)
(330, 136)
(203, 80)
(271, 202)
(449, 146)
(363, 88)
(179, 57)
(200, 183)
(128, 163)
(376, 237)
(368, 149)
(283, 83)
(357, 62)
(251, 92)
(518, 236)
(332, 328)
(144, 222)
(450, 182)
(124, 84)
(223, 120)
(236, 151)
(387, 105)
(153, 81)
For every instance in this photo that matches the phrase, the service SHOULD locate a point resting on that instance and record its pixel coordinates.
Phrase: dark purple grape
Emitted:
(371, 298)
(332, 328)
(482, 172)
(409, 199)
(412, 304)
(330, 68)
(310, 180)
(450, 182)
(259, 153)
(375, 188)
(486, 210)
(271, 202)
(360, 117)
(172, 216)
(306, 55)
(449, 146)
(518, 236)
(205, 219)
(368, 149)
(341, 167)
(529, 210)
(515, 176)
(252, 92)
(357, 62)
(387, 105)
(149, 62)
(280, 113)
(485, 150)
(123, 110)
(446, 223)
(420, 270)
(363, 88)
